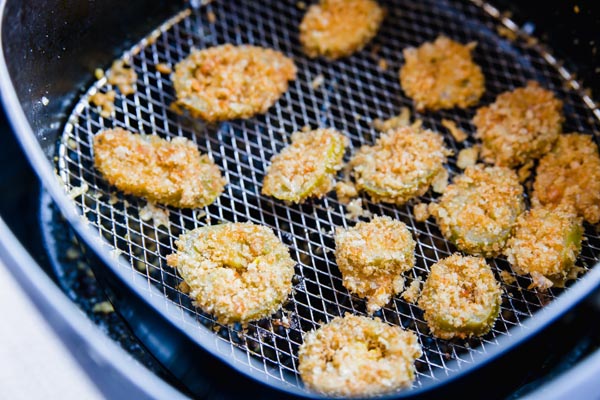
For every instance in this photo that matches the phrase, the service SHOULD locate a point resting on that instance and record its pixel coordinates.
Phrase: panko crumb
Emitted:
(382, 64)
(338, 28)
(440, 181)
(77, 191)
(159, 216)
(164, 68)
(400, 120)
(165, 172)
(442, 75)
(211, 17)
(356, 210)
(345, 191)
(318, 81)
(99, 73)
(357, 356)
(372, 256)
(521, 125)
(413, 292)
(467, 157)
(421, 212)
(228, 82)
(525, 171)
(122, 76)
(104, 307)
(507, 277)
(106, 102)
(506, 33)
(458, 134)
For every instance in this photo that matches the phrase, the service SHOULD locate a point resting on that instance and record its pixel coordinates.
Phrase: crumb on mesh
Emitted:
(318, 81)
(164, 68)
(345, 191)
(355, 209)
(458, 134)
(104, 307)
(440, 181)
(106, 102)
(122, 76)
(421, 212)
(159, 216)
(398, 121)
(507, 277)
(467, 157)
(413, 292)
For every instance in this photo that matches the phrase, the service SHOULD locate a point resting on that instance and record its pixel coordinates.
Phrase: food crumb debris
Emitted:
(72, 144)
(421, 212)
(318, 81)
(164, 68)
(576, 9)
(458, 134)
(301, 5)
(306, 128)
(507, 277)
(106, 101)
(467, 157)
(99, 73)
(45, 101)
(540, 282)
(158, 215)
(506, 33)
(400, 120)
(412, 293)
(184, 287)
(440, 182)
(382, 64)
(104, 307)
(78, 190)
(345, 191)
(525, 171)
(356, 210)
(122, 76)
(72, 254)
(212, 17)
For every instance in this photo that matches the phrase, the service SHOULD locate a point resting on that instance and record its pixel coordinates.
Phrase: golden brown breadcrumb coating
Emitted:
(356, 356)
(228, 82)
(167, 172)
(338, 28)
(441, 75)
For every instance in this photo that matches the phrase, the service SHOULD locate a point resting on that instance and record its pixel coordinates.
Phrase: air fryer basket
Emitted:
(354, 92)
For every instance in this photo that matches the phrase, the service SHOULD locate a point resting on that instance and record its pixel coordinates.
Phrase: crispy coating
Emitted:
(441, 75)
(520, 126)
(546, 241)
(238, 272)
(358, 356)
(306, 168)
(167, 172)
(228, 82)
(461, 297)
(338, 28)
(570, 174)
(401, 165)
(479, 209)
(372, 257)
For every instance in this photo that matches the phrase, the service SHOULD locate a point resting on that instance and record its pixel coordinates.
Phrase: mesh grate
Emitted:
(354, 93)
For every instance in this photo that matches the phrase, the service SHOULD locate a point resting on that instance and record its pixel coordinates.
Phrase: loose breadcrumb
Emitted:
(338, 28)
(239, 272)
(122, 76)
(171, 173)
(519, 126)
(106, 101)
(467, 157)
(460, 298)
(400, 120)
(358, 356)
(570, 174)
(440, 181)
(104, 307)
(458, 134)
(401, 165)
(306, 168)
(345, 191)
(441, 75)
(372, 257)
(507, 277)
(356, 210)
(318, 81)
(164, 69)
(421, 212)
(228, 82)
(413, 292)
(159, 216)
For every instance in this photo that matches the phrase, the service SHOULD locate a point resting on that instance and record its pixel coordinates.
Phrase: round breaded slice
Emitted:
(570, 174)
(460, 298)
(238, 272)
(478, 211)
(441, 75)
(401, 164)
(546, 242)
(306, 168)
(520, 126)
(228, 82)
(356, 356)
(372, 257)
(171, 172)
(338, 28)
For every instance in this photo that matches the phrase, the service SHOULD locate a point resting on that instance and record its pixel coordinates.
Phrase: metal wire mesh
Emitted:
(355, 92)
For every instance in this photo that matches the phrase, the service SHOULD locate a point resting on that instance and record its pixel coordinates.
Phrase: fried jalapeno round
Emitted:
(460, 298)
(228, 82)
(167, 172)
(239, 272)
(520, 126)
(479, 209)
(372, 257)
(306, 168)
(441, 75)
(356, 356)
(401, 165)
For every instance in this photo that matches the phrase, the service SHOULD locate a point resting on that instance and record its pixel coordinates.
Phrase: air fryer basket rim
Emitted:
(45, 171)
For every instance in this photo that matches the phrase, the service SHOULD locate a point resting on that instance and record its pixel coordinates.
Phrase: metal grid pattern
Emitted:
(354, 93)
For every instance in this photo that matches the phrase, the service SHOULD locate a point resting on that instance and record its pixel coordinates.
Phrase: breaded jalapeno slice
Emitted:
(461, 297)
(372, 257)
(520, 126)
(167, 172)
(238, 272)
(479, 209)
(401, 164)
(545, 244)
(570, 174)
(356, 356)
(227, 82)
(306, 168)
(337, 28)
(441, 75)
